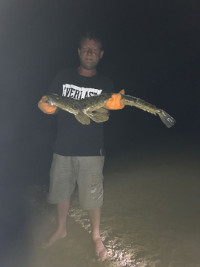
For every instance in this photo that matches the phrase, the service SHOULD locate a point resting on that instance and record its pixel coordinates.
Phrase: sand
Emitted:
(150, 216)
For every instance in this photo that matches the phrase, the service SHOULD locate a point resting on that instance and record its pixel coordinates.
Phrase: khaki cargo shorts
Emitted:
(86, 171)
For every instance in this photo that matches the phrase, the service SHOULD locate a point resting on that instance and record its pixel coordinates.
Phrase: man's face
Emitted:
(90, 54)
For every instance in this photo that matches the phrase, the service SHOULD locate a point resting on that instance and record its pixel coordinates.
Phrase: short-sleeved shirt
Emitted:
(74, 138)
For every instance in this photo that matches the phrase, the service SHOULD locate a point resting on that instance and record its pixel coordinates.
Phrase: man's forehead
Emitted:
(91, 43)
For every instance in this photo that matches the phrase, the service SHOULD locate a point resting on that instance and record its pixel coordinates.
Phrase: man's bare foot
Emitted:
(56, 236)
(101, 251)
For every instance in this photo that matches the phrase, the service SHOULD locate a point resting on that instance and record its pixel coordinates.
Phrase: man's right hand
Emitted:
(45, 107)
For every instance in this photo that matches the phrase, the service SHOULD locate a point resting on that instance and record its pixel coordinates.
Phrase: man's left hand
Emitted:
(115, 102)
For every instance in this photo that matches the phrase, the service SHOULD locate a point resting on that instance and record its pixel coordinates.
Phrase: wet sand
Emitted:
(74, 250)
(150, 216)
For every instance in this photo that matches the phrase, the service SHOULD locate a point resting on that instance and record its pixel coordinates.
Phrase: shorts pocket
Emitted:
(96, 187)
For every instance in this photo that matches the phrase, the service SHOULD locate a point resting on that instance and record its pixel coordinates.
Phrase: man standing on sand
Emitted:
(79, 149)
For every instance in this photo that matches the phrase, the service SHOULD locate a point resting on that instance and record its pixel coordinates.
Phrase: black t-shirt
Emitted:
(73, 138)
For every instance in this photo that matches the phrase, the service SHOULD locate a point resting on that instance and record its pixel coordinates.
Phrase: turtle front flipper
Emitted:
(99, 115)
(82, 118)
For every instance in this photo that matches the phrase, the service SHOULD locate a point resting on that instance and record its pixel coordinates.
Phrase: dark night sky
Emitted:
(151, 50)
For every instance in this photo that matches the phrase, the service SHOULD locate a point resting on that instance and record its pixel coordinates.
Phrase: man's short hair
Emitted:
(91, 36)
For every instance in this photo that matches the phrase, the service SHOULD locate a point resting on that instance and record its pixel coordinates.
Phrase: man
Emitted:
(78, 149)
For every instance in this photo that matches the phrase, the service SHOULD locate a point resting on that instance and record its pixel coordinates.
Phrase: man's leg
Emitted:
(62, 184)
(100, 249)
(61, 232)
(90, 183)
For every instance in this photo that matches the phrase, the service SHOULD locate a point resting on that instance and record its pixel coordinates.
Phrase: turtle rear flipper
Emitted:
(99, 115)
(82, 118)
